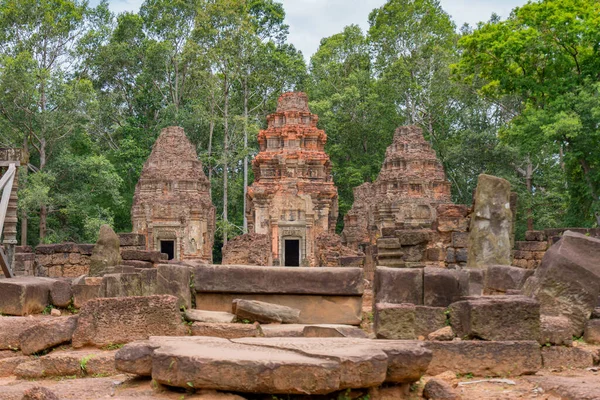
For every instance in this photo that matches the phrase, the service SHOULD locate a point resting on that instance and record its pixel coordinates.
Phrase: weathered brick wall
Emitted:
(67, 260)
(24, 261)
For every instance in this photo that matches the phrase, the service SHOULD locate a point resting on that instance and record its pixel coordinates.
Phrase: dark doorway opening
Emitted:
(292, 253)
(168, 247)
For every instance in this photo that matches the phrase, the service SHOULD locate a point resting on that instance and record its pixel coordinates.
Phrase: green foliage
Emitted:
(83, 363)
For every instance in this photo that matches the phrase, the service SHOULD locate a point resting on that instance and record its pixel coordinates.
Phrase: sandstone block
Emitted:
(491, 223)
(460, 239)
(47, 334)
(208, 316)
(175, 280)
(412, 237)
(86, 249)
(482, 358)
(148, 280)
(283, 330)
(535, 236)
(138, 264)
(560, 357)
(395, 321)
(8, 365)
(500, 278)
(39, 393)
(261, 280)
(435, 254)
(225, 330)
(68, 363)
(496, 318)
(106, 252)
(136, 358)
(441, 287)
(450, 255)
(84, 293)
(476, 280)
(238, 367)
(142, 255)
(567, 283)
(437, 389)
(429, 319)
(555, 330)
(121, 285)
(106, 321)
(345, 310)
(24, 295)
(388, 243)
(532, 246)
(61, 293)
(263, 312)
(444, 334)
(131, 239)
(461, 255)
(397, 285)
(10, 330)
(326, 331)
(592, 331)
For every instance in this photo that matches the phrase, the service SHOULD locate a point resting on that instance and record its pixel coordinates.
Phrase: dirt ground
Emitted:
(545, 385)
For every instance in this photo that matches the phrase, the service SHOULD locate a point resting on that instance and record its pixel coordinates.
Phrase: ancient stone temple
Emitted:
(172, 204)
(293, 198)
(399, 210)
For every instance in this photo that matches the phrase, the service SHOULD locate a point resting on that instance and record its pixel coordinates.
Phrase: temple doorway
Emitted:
(292, 252)
(168, 247)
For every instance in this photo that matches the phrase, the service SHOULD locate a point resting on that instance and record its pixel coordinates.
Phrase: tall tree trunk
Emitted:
(225, 160)
(211, 129)
(529, 183)
(245, 225)
(43, 208)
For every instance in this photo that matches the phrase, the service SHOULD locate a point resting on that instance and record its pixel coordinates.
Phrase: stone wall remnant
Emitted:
(491, 223)
(172, 205)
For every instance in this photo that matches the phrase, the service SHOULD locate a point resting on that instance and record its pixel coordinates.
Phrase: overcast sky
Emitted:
(312, 20)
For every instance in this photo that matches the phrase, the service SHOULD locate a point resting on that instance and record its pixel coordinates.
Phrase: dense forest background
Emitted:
(86, 92)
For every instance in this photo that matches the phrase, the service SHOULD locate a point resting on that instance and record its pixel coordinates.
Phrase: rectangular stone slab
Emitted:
(278, 280)
(313, 309)
(24, 295)
(482, 358)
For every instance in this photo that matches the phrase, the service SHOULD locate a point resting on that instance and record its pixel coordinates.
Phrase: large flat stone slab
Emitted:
(278, 280)
(345, 310)
(10, 330)
(107, 321)
(68, 363)
(483, 358)
(47, 334)
(240, 367)
(24, 295)
(398, 285)
(209, 316)
(263, 312)
(274, 365)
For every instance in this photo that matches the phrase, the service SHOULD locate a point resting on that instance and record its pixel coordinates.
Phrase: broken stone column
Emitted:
(106, 252)
(491, 223)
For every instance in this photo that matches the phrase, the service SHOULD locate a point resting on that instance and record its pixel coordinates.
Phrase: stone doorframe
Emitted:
(166, 233)
(292, 233)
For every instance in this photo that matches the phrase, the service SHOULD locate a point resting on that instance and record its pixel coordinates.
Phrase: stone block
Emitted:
(68, 363)
(45, 249)
(561, 357)
(461, 255)
(24, 295)
(61, 293)
(10, 330)
(435, 254)
(441, 287)
(148, 280)
(436, 388)
(500, 278)
(388, 243)
(555, 330)
(261, 280)
(313, 309)
(450, 255)
(482, 358)
(532, 246)
(83, 293)
(264, 312)
(567, 283)
(175, 280)
(121, 285)
(395, 321)
(8, 365)
(47, 334)
(142, 255)
(138, 263)
(86, 249)
(326, 331)
(496, 318)
(397, 285)
(106, 321)
(225, 330)
(136, 358)
(72, 271)
(460, 239)
(132, 239)
(429, 319)
(443, 334)
(475, 278)
(209, 316)
(412, 237)
(535, 236)
(592, 331)
(491, 223)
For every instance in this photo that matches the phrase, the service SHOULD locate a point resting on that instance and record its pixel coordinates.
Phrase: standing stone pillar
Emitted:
(491, 223)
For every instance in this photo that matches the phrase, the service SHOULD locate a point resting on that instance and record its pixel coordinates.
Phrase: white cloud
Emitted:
(312, 20)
